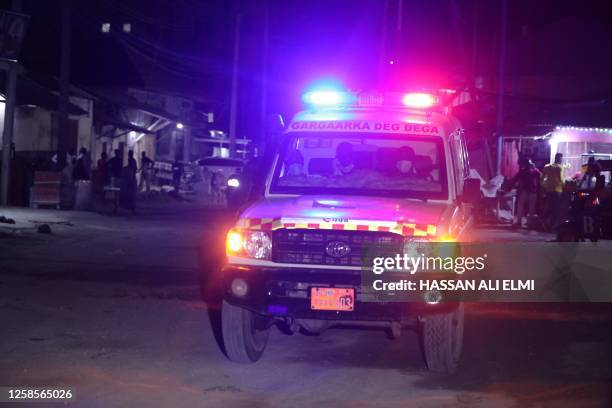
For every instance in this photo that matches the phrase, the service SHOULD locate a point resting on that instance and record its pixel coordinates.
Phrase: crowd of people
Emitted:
(531, 183)
(121, 180)
(109, 172)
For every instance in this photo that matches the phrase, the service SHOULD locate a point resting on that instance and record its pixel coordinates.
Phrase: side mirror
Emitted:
(471, 190)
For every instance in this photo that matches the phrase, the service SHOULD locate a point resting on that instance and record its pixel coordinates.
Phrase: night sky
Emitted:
(185, 46)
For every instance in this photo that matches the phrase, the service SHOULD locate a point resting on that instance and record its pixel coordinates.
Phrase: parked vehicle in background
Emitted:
(223, 176)
(224, 165)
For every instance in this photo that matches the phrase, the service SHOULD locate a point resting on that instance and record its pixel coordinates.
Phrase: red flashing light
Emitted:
(419, 100)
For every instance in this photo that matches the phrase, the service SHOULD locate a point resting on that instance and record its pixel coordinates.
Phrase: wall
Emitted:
(85, 124)
(33, 127)
(130, 140)
(33, 130)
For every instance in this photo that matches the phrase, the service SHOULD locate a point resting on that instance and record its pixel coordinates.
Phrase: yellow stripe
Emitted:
(279, 223)
(397, 228)
(431, 229)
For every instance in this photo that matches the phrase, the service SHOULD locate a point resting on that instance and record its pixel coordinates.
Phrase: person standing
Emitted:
(552, 183)
(127, 196)
(526, 182)
(85, 160)
(146, 168)
(70, 154)
(83, 165)
(102, 170)
(115, 165)
(115, 168)
(67, 195)
(132, 166)
(177, 174)
(591, 174)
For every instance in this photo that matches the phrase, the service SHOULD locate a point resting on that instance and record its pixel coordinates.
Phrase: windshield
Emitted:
(358, 164)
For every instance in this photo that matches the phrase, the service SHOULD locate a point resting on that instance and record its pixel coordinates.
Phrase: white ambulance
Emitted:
(353, 170)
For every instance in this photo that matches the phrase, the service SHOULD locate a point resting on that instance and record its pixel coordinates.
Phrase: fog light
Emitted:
(239, 287)
(432, 297)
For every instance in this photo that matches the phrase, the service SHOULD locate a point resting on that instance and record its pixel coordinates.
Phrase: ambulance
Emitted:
(352, 170)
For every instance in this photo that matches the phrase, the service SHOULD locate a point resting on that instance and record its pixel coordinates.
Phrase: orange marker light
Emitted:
(233, 243)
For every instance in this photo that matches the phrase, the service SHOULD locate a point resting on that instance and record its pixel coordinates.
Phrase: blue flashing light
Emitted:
(332, 98)
(327, 98)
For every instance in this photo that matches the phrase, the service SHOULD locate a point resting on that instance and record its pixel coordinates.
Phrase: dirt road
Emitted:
(111, 307)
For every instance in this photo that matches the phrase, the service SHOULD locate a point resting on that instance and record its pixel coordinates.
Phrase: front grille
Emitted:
(304, 246)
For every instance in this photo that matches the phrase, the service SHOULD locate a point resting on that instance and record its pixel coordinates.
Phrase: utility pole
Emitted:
(399, 24)
(264, 72)
(234, 91)
(7, 135)
(474, 65)
(64, 84)
(398, 40)
(9, 118)
(382, 58)
(500, 83)
(400, 16)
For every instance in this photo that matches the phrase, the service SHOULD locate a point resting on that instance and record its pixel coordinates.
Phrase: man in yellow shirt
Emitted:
(552, 183)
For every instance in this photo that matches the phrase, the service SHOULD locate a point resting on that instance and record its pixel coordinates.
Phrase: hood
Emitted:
(360, 213)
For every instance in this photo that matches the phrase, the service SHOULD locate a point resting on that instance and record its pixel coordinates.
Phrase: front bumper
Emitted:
(285, 292)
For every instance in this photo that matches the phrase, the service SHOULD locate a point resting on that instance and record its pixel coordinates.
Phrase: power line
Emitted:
(169, 60)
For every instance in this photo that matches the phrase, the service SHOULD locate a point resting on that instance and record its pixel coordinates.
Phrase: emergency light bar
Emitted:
(327, 98)
(419, 100)
(335, 99)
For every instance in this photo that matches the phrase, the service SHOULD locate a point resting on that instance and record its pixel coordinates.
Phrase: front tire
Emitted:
(245, 334)
(442, 340)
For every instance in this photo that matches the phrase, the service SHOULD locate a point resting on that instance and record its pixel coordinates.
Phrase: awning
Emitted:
(30, 93)
(118, 98)
(104, 119)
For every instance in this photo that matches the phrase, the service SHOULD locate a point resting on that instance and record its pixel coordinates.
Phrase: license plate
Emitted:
(342, 299)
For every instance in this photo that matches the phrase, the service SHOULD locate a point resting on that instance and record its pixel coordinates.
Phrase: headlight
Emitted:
(258, 245)
(233, 182)
(254, 244)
